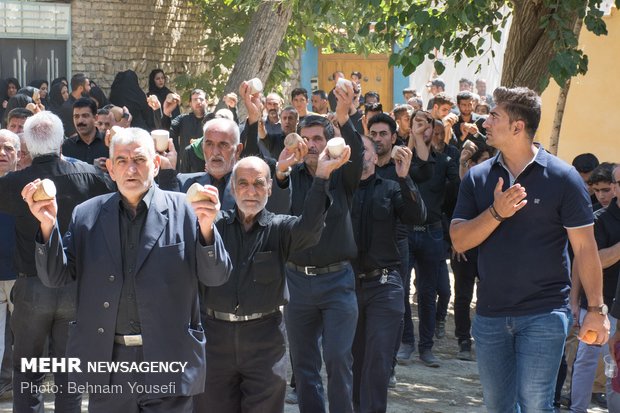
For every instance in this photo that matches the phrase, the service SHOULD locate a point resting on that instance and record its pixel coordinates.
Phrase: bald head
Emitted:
(251, 186)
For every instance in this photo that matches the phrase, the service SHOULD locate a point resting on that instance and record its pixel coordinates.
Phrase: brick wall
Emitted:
(115, 35)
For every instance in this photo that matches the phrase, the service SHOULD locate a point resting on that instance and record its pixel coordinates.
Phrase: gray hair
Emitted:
(133, 135)
(43, 134)
(5, 133)
(228, 123)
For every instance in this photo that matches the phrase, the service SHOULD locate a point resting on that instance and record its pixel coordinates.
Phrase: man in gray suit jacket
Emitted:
(137, 256)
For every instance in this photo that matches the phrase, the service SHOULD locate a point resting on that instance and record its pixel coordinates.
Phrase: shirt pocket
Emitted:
(266, 267)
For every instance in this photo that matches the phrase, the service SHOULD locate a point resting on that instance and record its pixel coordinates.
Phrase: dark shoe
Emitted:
(291, 397)
(600, 399)
(392, 382)
(428, 358)
(465, 351)
(565, 401)
(440, 329)
(403, 357)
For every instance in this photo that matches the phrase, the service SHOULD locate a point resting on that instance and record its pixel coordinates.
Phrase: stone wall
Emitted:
(115, 35)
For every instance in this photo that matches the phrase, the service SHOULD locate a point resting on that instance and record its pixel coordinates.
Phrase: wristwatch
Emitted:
(285, 173)
(602, 310)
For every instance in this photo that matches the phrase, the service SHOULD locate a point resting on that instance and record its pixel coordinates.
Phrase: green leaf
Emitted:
(497, 36)
(439, 66)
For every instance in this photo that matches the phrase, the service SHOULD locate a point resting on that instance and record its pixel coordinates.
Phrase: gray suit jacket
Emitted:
(170, 263)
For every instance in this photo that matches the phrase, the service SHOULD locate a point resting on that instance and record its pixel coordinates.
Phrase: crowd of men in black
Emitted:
(308, 247)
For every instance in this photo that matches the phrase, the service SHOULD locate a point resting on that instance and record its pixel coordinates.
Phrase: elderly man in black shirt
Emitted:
(320, 279)
(41, 312)
(246, 346)
(378, 206)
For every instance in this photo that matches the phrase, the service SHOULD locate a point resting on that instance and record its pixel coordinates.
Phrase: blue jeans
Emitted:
(518, 359)
(324, 305)
(584, 372)
(380, 311)
(426, 252)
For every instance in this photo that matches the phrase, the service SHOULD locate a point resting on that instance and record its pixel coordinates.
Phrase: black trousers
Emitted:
(246, 366)
(127, 398)
(465, 274)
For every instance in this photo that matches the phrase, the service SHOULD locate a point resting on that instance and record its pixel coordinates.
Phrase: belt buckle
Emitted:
(235, 317)
(308, 269)
(132, 340)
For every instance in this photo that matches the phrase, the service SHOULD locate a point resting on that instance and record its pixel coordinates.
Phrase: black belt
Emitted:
(373, 273)
(234, 318)
(424, 228)
(24, 275)
(312, 271)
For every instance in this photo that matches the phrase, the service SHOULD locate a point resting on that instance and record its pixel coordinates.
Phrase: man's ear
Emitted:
(238, 151)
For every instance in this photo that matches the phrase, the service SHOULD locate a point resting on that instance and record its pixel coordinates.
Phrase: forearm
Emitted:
(471, 233)
(609, 256)
(54, 269)
(590, 273)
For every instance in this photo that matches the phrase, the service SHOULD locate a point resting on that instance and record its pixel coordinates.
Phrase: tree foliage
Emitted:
(335, 26)
(542, 32)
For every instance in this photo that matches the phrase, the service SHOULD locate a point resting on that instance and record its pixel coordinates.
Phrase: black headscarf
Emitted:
(17, 101)
(38, 83)
(59, 80)
(99, 96)
(125, 91)
(160, 92)
(55, 99)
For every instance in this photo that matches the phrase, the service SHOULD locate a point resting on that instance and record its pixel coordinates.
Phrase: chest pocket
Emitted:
(381, 209)
(266, 268)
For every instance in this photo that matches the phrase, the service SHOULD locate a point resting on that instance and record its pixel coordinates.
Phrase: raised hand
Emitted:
(327, 164)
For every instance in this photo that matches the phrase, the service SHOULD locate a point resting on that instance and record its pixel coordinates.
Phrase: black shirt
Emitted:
(337, 242)
(128, 319)
(445, 175)
(76, 148)
(378, 205)
(478, 138)
(607, 234)
(257, 283)
(75, 183)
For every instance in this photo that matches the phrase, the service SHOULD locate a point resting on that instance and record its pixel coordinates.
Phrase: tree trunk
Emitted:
(260, 45)
(529, 49)
(554, 140)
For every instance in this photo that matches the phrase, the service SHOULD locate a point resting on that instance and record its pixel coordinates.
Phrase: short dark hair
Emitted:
(86, 103)
(77, 80)
(464, 95)
(317, 120)
(465, 80)
(103, 111)
(197, 91)
(585, 163)
(602, 173)
(19, 113)
(443, 99)
(439, 83)
(409, 90)
(400, 109)
(383, 118)
(299, 91)
(373, 107)
(520, 103)
(357, 74)
(290, 109)
(320, 93)
(372, 94)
